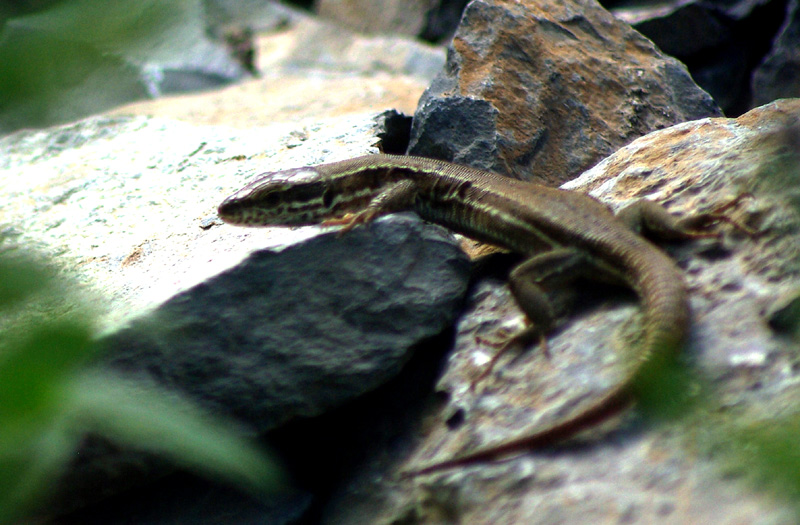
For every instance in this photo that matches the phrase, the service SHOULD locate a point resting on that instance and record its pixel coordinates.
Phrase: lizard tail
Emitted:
(660, 285)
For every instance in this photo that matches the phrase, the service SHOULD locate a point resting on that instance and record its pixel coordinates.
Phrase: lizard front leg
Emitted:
(652, 219)
(397, 197)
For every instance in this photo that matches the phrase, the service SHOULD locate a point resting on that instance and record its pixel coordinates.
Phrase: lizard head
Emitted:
(294, 197)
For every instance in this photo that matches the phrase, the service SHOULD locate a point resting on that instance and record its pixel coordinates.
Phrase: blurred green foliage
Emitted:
(766, 455)
(769, 454)
(78, 57)
(50, 399)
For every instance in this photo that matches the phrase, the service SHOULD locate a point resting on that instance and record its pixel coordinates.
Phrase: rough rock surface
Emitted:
(121, 200)
(631, 469)
(544, 92)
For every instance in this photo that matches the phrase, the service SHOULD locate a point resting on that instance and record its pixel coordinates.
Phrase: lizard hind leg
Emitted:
(529, 283)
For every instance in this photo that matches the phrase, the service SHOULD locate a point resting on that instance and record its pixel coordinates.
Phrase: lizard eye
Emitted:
(269, 198)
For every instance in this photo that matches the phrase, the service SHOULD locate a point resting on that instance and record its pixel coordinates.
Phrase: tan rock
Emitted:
(405, 17)
(543, 90)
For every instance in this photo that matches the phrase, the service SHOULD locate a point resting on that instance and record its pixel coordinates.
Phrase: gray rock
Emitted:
(778, 76)
(294, 333)
(322, 45)
(283, 335)
(679, 29)
(721, 43)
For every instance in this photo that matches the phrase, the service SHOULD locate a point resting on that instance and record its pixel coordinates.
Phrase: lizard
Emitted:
(563, 234)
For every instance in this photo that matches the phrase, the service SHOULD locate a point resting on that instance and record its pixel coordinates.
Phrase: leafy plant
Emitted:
(50, 398)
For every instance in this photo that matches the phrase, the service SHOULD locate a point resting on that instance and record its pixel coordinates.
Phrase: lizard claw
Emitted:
(520, 340)
(716, 215)
(351, 220)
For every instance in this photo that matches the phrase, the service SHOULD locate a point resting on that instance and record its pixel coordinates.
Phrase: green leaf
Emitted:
(20, 277)
(48, 401)
(33, 371)
(167, 424)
